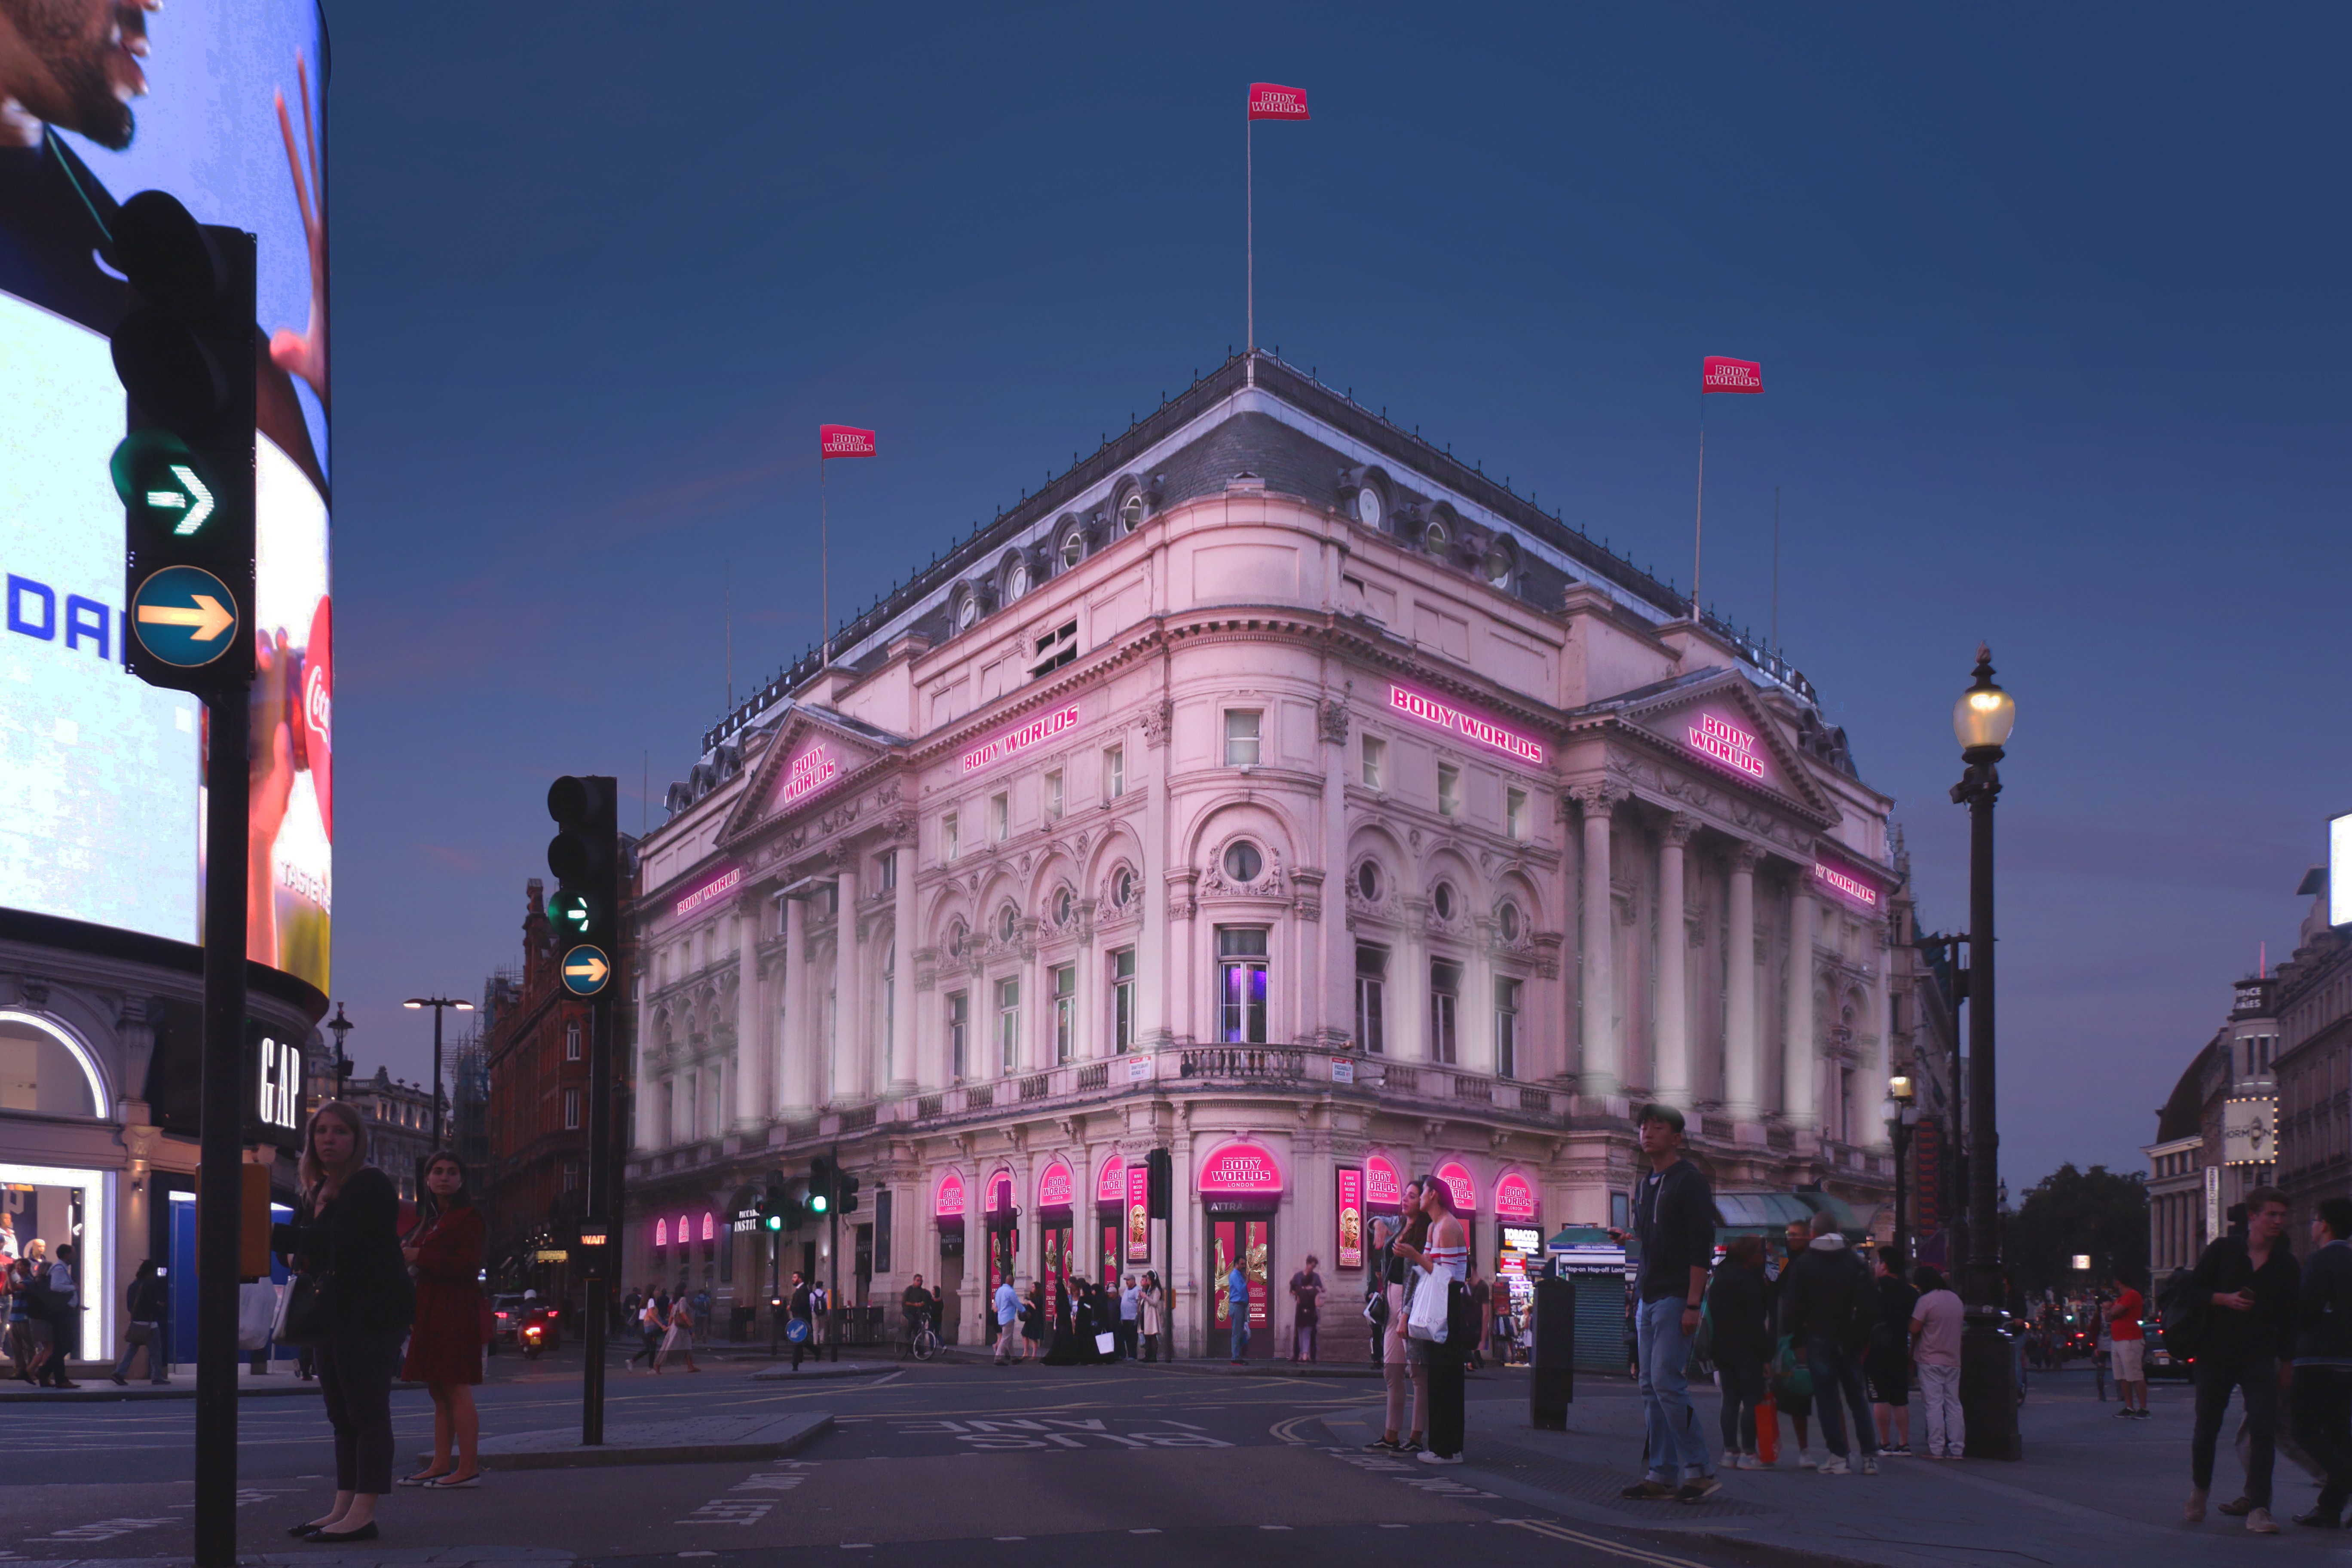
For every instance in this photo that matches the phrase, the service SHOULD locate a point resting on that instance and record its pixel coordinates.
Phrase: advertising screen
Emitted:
(220, 102)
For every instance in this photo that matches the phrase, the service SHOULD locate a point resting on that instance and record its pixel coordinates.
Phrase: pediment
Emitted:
(1717, 724)
(814, 753)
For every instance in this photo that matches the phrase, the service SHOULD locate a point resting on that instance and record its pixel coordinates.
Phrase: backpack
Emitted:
(2183, 1312)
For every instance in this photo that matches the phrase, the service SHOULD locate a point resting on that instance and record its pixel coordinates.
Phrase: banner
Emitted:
(1267, 101)
(1351, 1217)
(1719, 374)
(844, 441)
(1138, 1214)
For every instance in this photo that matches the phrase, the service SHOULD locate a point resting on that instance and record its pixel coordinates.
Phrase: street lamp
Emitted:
(1901, 1110)
(339, 1027)
(1982, 719)
(436, 1004)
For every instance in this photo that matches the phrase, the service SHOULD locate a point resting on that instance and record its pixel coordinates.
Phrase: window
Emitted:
(1498, 565)
(572, 1041)
(1241, 737)
(1008, 1026)
(1065, 1011)
(1017, 580)
(1241, 985)
(999, 816)
(1441, 899)
(1449, 790)
(1506, 922)
(1008, 923)
(1242, 862)
(1065, 903)
(1113, 772)
(1372, 997)
(1367, 880)
(959, 1033)
(1506, 1028)
(1437, 539)
(888, 864)
(1130, 512)
(570, 1176)
(1073, 549)
(1053, 794)
(572, 1111)
(950, 839)
(1376, 763)
(1515, 812)
(1122, 887)
(1444, 998)
(967, 613)
(1055, 649)
(1122, 1000)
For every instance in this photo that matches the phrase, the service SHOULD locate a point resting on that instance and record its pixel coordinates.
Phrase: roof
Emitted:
(2183, 1115)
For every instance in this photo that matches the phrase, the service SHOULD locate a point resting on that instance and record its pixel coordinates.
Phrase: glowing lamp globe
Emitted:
(1985, 713)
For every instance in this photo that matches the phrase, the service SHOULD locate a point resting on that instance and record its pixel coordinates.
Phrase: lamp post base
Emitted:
(1988, 1389)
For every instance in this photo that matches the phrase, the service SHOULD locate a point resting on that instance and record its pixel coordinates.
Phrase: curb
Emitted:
(104, 1391)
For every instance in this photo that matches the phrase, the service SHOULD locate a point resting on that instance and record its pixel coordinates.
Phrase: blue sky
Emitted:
(2051, 305)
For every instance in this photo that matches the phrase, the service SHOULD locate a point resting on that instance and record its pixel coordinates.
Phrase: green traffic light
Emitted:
(817, 1203)
(569, 913)
(163, 484)
(773, 1222)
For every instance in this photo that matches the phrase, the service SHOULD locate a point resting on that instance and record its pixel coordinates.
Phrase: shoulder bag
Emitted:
(303, 1316)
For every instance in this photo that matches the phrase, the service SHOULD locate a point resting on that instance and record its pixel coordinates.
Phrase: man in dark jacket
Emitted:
(2322, 1401)
(2246, 1293)
(1674, 1219)
(1828, 1302)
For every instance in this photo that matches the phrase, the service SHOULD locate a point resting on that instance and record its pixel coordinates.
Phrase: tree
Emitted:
(2070, 1213)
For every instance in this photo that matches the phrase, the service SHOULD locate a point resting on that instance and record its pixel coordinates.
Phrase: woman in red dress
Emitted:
(444, 1348)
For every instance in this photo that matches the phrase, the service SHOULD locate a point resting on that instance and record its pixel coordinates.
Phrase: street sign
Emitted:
(184, 615)
(585, 970)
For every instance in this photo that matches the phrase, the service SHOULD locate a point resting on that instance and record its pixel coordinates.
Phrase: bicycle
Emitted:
(926, 1343)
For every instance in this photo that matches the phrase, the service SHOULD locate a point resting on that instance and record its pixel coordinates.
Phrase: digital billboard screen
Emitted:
(222, 103)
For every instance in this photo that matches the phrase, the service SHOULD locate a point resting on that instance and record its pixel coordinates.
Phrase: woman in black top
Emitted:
(1743, 1344)
(148, 1301)
(346, 1238)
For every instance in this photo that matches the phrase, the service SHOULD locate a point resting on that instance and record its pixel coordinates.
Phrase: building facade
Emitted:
(2313, 1001)
(2218, 1135)
(1276, 790)
(399, 1117)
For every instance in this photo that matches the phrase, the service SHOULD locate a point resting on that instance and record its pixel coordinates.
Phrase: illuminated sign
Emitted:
(948, 1201)
(1384, 1191)
(1110, 1183)
(1515, 1197)
(1725, 743)
(1464, 1191)
(1000, 1192)
(1035, 732)
(1846, 886)
(1139, 1214)
(2339, 872)
(719, 886)
(281, 1084)
(813, 771)
(1054, 1187)
(1351, 1217)
(1244, 1170)
(1485, 732)
(2249, 1130)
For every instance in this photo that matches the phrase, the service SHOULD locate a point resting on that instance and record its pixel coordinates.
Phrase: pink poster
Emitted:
(1351, 1217)
(1054, 1187)
(1139, 1214)
(948, 1201)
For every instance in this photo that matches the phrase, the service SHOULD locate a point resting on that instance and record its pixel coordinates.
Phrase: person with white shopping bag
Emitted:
(1435, 1329)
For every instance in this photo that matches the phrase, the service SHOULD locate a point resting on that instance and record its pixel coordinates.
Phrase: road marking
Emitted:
(1561, 1532)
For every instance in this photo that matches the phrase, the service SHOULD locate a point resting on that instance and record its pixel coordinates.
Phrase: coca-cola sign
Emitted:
(1241, 1169)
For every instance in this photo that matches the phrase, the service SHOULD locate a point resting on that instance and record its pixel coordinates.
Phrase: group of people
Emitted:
(43, 1307)
(666, 1324)
(1082, 1322)
(1427, 1329)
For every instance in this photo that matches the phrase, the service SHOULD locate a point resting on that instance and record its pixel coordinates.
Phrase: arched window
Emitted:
(1008, 923)
(1506, 920)
(1074, 548)
(44, 1071)
(1122, 887)
(967, 613)
(1130, 512)
(1367, 880)
(1017, 580)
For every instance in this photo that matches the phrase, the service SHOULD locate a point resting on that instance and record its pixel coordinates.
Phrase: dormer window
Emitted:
(967, 613)
(1017, 580)
(1130, 512)
(1073, 549)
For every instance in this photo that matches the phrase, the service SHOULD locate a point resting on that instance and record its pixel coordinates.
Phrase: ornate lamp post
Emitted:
(1901, 1110)
(341, 1026)
(1982, 719)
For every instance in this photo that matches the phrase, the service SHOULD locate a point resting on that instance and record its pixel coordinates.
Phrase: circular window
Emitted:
(1122, 887)
(1369, 511)
(1073, 549)
(1130, 512)
(1368, 880)
(967, 613)
(1437, 539)
(957, 939)
(1242, 862)
(1499, 567)
(1062, 902)
(1017, 580)
(1008, 923)
(1441, 899)
(1507, 918)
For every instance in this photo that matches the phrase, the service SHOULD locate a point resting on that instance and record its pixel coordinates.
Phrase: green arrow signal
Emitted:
(157, 476)
(192, 498)
(569, 912)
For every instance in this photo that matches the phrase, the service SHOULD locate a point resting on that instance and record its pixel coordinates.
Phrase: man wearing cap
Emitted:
(1673, 1221)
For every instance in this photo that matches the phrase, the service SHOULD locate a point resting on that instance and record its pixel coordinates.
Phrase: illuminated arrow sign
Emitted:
(585, 969)
(184, 615)
(191, 498)
(158, 478)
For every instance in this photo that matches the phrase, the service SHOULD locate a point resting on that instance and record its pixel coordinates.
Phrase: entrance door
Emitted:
(1249, 1240)
(1111, 1254)
(1000, 1257)
(1061, 1263)
(950, 1289)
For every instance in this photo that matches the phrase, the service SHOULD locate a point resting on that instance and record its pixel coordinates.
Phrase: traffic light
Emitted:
(844, 1187)
(583, 855)
(1159, 1178)
(797, 1206)
(823, 1173)
(187, 354)
(773, 1209)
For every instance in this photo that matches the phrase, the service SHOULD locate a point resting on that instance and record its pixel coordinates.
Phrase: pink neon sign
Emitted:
(948, 1201)
(1458, 1184)
(1383, 1189)
(1847, 887)
(1241, 1169)
(1000, 1191)
(1035, 732)
(1110, 1183)
(1725, 743)
(1054, 1187)
(1485, 732)
(812, 772)
(1515, 1197)
(719, 886)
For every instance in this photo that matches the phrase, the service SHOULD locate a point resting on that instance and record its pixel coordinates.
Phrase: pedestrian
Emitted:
(1743, 1343)
(145, 1303)
(701, 1319)
(1888, 1366)
(7, 1237)
(1151, 1316)
(28, 1331)
(1936, 1321)
(1130, 1313)
(2245, 1290)
(1238, 1310)
(2322, 1395)
(2127, 1349)
(1674, 1219)
(652, 1323)
(1405, 1254)
(444, 1348)
(800, 1317)
(1036, 1323)
(680, 1335)
(1832, 1299)
(61, 1299)
(1007, 1305)
(914, 1306)
(1444, 1261)
(1306, 1302)
(1792, 1384)
(345, 1238)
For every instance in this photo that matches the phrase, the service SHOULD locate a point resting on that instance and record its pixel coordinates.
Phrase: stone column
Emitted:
(751, 1037)
(1337, 1023)
(845, 1080)
(1673, 1076)
(643, 1093)
(906, 940)
(1603, 1066)
(1800, 1076)
(797, 1069)
(1153, 962)
(1742, 1073)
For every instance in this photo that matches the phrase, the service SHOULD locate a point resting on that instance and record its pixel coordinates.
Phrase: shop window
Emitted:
(1372, 997)
(1122, 1000)
(1055, 649)
(1506, 1028)
(959, 1029)
(1515, 813)
(572, 1041)
(999, 816)
(1444, 1007)
(1065, 1011)
(1242, 737)
(1449, 790)
(1053, 794)
(1376, 763)
(951, 841)
(1008, 1026)
(1114, 772)
(1241, 985)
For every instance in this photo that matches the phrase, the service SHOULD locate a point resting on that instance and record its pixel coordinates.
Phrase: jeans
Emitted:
(1939, 1391)
(1240, 1319)
(2321, 1407)
(1302, 1341)
(355, 1374)
(1834, 1368)
(1008, 1335)
(1676, 1445)
(159, 1370)
(1742, 1373)
(2256, 1379)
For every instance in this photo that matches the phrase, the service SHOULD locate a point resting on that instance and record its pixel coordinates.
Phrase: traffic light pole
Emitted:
(602, 1206)
(222, 1126)
(832, 1292)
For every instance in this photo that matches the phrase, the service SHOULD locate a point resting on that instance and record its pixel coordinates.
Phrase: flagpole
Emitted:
(1249, 221)
(824, 572)
(1776, 569)
(1698, 524)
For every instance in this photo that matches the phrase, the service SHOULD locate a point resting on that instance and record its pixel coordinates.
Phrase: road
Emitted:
(1025, 1465)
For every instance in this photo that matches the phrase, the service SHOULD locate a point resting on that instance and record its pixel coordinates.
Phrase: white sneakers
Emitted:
(2261, 1522)
(1835, 1466)
(1748, 1462)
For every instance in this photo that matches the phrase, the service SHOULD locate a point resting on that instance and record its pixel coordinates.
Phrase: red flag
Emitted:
(1719, 374)
(1267, 101)
(844, 441)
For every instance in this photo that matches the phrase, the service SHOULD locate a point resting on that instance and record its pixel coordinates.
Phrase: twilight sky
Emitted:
(2051, 306)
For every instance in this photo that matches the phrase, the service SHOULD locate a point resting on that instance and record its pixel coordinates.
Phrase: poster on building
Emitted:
(1351, 1217)
(2249, 1130)
(1138, 1214)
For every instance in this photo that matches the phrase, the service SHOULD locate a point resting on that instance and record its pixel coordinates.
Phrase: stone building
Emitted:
(2313, 1065)
(1275, 789)
(399, 1116)
(2218, 1135)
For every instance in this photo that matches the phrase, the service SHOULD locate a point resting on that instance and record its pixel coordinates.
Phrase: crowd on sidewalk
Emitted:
(1080, 1323)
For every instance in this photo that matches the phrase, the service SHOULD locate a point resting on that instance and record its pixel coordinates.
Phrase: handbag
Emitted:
(139, 1333)
(303, 1316)
(1106, 1343)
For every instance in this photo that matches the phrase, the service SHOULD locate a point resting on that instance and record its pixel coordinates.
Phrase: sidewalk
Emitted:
(2090, 1489)
(98, 1387)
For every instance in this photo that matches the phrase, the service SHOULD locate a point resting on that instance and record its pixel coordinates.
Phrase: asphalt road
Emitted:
(1026, 1465)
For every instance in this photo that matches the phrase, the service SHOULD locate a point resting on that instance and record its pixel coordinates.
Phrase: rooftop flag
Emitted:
(1719, 374)
(844, 441)
(1267, 101)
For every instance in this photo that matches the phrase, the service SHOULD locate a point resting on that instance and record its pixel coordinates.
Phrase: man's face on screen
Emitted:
(75, 63)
